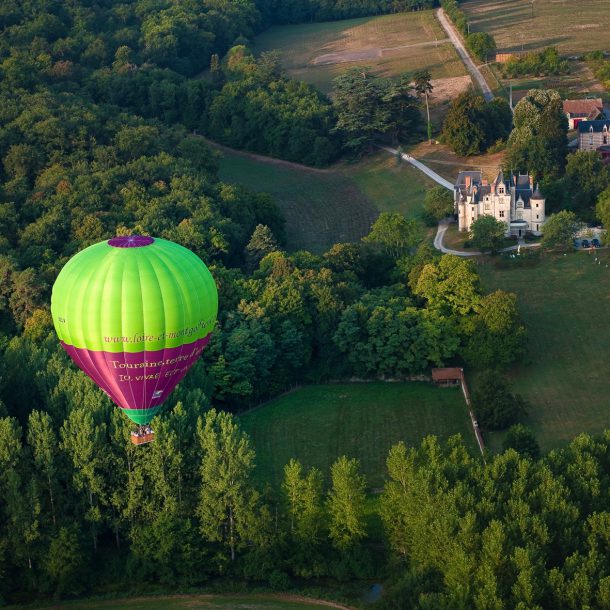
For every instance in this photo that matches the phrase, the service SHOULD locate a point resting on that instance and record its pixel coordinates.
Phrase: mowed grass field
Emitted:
(202, 602)
(572, 28)
(317, 424)
(324, 207)
(565, 303)
(389, 44)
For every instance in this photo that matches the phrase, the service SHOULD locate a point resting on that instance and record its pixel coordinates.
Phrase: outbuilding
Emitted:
(447, 377)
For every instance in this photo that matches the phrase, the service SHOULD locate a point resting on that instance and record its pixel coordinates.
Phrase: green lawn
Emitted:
(389, 44)
(318, 424)
(389, 185)
(199, 602)
(565, 302)
(324, 207)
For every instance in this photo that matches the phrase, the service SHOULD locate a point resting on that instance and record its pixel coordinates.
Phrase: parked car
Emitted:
(584, 243)
(595, 242)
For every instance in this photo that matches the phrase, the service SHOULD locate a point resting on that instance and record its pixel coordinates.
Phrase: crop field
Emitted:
(324, 207)
(389, 44)
(318, 424)
(564, 301)
(533, 25)
(203, 602)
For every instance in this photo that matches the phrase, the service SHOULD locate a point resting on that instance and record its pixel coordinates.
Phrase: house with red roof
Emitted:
(577, 111)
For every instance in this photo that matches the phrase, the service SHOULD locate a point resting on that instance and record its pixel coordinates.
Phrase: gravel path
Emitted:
(421, 167)
(463, 53)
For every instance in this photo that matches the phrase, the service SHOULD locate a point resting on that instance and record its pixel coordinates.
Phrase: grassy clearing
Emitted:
(324, 207)
(391, 186)
(445, 162)
(564, 301)
(201, 602)
(389, 44)
(318, 424)
(571, 28)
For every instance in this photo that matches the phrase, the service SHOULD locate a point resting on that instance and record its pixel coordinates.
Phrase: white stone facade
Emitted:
(515, 202)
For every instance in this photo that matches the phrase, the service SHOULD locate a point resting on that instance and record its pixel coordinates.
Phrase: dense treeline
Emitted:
(140, 59)
(78, 499)
(298, 11)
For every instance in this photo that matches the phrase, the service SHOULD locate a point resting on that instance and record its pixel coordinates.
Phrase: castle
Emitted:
(515, 202)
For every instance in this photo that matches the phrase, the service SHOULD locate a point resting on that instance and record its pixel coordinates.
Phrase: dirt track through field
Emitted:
(343, 57)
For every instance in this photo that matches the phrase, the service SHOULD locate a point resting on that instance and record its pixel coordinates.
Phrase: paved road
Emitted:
(443, 225)
(463, 53)
(421, 167)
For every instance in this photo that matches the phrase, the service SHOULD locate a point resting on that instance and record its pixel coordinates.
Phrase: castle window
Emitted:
(591, 139)
(605, 139)
(537, 217)
(501, 213)
(487, 206)
(536, 205)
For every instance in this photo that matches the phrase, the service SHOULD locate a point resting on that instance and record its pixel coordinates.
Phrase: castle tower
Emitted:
(538, 218)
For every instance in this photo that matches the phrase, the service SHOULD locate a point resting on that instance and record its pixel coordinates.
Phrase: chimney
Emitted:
(467, 179)
(531, 182)
(484, 182)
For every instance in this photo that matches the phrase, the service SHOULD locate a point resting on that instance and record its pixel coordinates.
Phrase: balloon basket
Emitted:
(142, 436)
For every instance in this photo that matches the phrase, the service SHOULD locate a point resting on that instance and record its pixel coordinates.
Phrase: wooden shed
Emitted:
(502, 58)
(447, 377)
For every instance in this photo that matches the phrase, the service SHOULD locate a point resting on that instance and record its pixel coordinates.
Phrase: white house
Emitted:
(515, 202)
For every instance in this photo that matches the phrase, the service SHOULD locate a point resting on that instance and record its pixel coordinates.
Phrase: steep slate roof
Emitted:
(475, 176)
(595, 126)
(583, 108)
(519, 183)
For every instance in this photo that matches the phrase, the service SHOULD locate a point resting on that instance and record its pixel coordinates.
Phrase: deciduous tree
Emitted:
(346, 504)
(225, 494)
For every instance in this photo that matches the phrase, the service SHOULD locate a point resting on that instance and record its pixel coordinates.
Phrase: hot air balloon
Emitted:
(135, 313)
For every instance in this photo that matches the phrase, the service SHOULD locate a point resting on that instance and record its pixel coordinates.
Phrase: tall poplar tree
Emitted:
(345, 504)
(225, 495)
(43, 441)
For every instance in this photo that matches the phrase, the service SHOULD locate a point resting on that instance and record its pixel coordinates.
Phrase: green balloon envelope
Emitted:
(135, 313)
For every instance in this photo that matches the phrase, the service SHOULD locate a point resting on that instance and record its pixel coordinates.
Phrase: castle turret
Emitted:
(537, 203)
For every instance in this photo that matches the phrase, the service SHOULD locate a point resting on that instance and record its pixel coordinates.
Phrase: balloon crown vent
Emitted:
(130, 241)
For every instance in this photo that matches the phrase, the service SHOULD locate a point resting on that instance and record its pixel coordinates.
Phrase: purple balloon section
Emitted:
(139, 380)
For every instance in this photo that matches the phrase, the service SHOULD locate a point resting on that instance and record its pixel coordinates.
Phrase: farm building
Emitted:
(447, 377)
(515, 202)
(578, 111)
